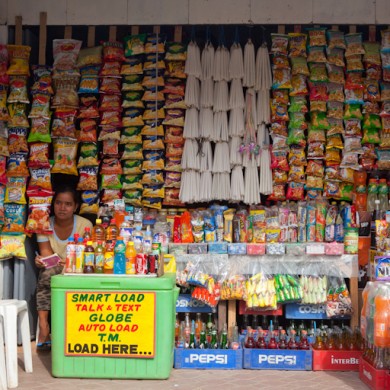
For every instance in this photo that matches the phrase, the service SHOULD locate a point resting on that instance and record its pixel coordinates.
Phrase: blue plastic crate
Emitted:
(186, 304)
(296, 311)
(212, 359)
(278, 359)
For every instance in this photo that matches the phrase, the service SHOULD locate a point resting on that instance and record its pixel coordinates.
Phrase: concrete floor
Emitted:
(191, 379)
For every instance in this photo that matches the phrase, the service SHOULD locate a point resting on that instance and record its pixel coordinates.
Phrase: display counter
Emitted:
(113, 326)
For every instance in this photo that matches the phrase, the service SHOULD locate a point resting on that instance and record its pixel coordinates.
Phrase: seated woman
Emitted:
(65, 224)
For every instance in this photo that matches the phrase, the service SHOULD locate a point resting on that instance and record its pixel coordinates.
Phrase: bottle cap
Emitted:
(80, 239)
(127, 217)
(89, 242)
(113, 221)
(119, 238)
(98, 221)
(87, 229)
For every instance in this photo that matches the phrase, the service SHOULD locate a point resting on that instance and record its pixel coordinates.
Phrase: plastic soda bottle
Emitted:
(119, 257)
(382, 318)
(131, 255)
(99, 258)
(108, 267)
(235, 342)
(87, 234)
(79, 256)
(360, 180)
(282, 340)
(292, 344)
(177, 328)
(198, 325)
(304, 344)
(260, 340)
(181, 343)
(70, 261)
(250, 340)
(89, 258)
(364, 312)
(112, 231)
(98, 232)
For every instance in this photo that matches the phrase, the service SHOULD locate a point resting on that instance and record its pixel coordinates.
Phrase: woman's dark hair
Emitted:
(63, 189)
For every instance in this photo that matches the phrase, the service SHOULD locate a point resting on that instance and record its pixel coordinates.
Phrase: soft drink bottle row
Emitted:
(196, 334)
(375, 323)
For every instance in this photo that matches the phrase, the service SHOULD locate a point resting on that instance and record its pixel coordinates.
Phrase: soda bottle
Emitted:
(187, 328)
(272, 341)
(119, 257)
(372, 194)
(125, 230)
(250, 340)
(181, 343)
(99, 258)
(330, 344)
(282, 339)
(304, 344)
(89, 258)
(98, 233)
(375, 216)
(383, 196)
(358, 340)
(292, 344)
(260, 340)
(87, 234)
(202, 338)
(177, 328)
(147, 244)
(70, 262)
(79, 269)
(360, 181)
(364, 312)
(255, 322)
(192, 336)
(319, 344)
(235, 343)
(382, 318)
(224, 338)
(131, 255)
(108, 267)
(214, 341)
(112, 231)
(198, 325)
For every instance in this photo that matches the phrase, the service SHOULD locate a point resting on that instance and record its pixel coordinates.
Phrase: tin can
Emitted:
(153, 263)
(141, 264)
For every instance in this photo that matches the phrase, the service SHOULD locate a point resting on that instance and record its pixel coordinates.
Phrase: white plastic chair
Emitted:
(15, 313)
(3, 372)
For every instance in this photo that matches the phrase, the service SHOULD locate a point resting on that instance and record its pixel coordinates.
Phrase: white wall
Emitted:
(181, 12)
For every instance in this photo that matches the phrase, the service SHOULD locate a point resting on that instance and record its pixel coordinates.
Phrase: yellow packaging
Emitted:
(228, 225)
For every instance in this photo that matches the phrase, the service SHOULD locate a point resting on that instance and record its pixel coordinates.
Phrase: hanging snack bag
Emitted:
(336, 39)
(15, 191)
(134, 44)
(39, 180)
(89, 202)
(65, 152)
(297, 45)
(19, 57)
(317, 36)
(354, 43)
(65, 53)
(17, 140)
(17, 165)
(14, 218)
(88, 179)
(13, 246)
(38, 221)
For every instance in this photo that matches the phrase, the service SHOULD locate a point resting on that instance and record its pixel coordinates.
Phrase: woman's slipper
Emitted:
(44, 347)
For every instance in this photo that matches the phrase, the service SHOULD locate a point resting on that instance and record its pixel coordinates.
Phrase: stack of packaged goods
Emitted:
(133, 123)
(110, 120)
(65, 103)
(89, 63)
(174, 100)
(154, 114)
(14, 128)
(39, 189)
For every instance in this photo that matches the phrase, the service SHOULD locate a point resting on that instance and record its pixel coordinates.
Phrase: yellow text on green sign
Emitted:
(118, 324)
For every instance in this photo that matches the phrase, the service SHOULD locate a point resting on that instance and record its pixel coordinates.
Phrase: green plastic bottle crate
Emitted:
(92, 362)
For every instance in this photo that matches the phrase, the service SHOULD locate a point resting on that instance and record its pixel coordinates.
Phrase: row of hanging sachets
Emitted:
(327, 101)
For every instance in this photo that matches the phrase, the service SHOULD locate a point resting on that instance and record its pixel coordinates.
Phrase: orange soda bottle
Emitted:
(382, 318)
(131, 256)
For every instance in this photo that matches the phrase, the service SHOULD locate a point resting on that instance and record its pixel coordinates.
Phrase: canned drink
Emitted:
(141, 264)
(152, 263)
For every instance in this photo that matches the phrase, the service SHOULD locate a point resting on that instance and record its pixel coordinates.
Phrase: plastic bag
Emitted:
(339, 302)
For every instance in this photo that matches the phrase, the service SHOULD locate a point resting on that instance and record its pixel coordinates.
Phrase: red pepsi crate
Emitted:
(336, 360)
(373, 378)
(278, 359)
(212, 359)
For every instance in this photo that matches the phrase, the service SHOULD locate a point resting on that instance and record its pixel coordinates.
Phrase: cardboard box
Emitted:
(255, 249)
(278, 359)
(237, 249)
(336, 360)
(212, 359)
(373, 378)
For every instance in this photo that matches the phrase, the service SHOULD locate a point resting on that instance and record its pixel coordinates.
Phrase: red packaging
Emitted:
(141, 264)
(152, 263)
